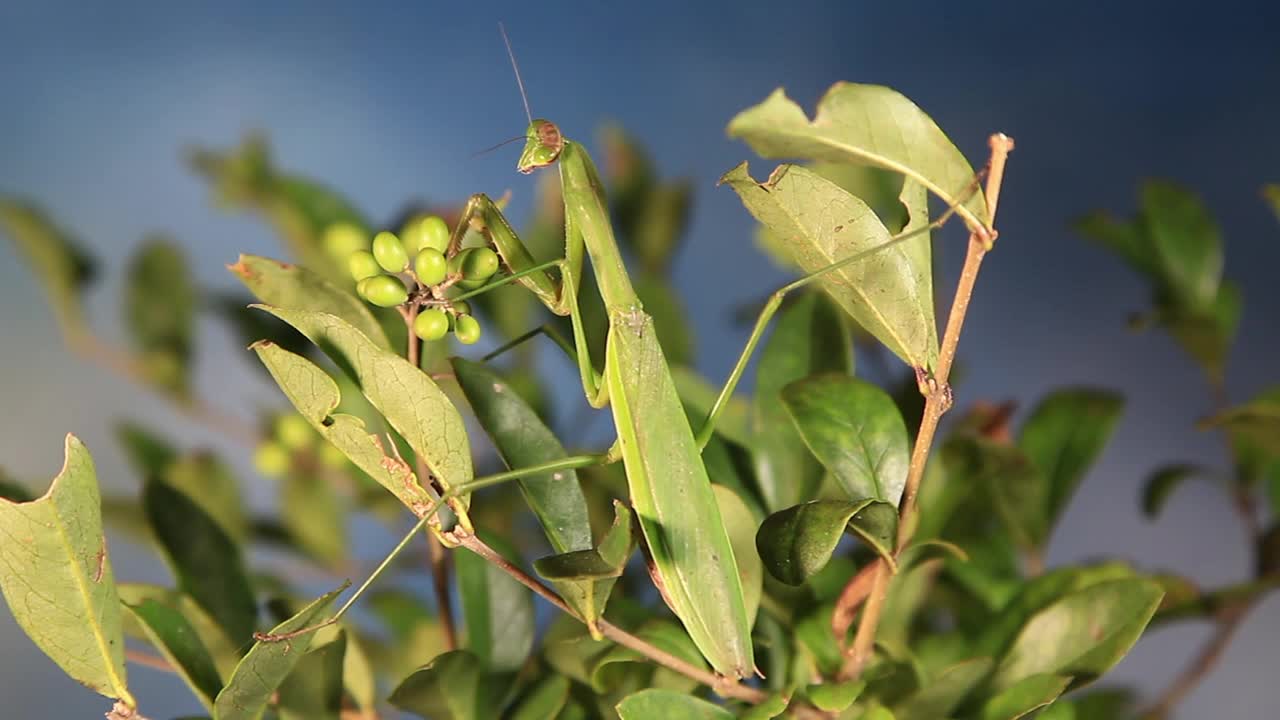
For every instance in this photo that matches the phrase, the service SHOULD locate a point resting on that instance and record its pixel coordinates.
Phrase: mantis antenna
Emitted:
(519, 82)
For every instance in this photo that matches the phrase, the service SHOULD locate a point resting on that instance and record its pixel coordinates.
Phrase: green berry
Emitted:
(460, 307)
(430, 266)
(478, 264)
(362, 287)
(332, 457)
(433, 233)
(294, 432)
(362, 265)
(383, 291)
(271, 459)
(431, 324)
(390, 252)
(342, 239)
(466, 329)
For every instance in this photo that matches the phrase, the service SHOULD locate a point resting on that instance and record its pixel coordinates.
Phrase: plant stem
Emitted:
(937, 401)
(438, 557)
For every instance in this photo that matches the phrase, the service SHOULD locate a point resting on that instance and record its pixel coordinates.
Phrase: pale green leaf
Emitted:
(866, 124)
(56, 576)
(267, 664)
(313, 689)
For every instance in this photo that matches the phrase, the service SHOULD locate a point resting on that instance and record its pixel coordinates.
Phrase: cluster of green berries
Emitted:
(422, 252)
(290, 436)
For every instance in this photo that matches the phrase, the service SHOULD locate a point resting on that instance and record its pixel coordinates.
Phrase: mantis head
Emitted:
(543, 146)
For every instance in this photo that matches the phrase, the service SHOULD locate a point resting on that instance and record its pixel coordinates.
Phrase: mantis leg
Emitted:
(771, 307)
(566, 463)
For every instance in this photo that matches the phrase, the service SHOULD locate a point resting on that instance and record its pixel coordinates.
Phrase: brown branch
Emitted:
(937, 401)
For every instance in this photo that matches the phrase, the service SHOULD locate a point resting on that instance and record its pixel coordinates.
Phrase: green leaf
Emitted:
(159, 308)
(887, 290)
(741, 524)
(267, 664)
(1186, 241)
(358, 676)
(58, 263)
(584, 578)
(611, 671)
(315, 515)
(149, 453)
(835, 697)
(450, 687)
(797, 542)
(1127, 238)
(1257, 420)
(409, 399)
(1081, 634)
(545, 700)
(1014, 487)
(698, 396)
(13, 490)
(1160, 486)
(214, 640)
(180, 644)
(209, 483)
(523, 440)
(662, 302)
(295, 288)
(1064, 435)
(206, 561)
(1025, 696)
(1207, 334)
(652, 703)
(771, 708)
(943, 694)
(855, 430)
(313, 690)
(865, 124)
(496, 609)
(808, 337)
(315, 395)
(56, 576)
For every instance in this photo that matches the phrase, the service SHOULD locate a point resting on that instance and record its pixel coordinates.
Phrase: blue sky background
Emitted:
(389, 102)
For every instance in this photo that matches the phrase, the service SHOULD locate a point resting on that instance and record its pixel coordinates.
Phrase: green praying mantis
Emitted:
(691, 559)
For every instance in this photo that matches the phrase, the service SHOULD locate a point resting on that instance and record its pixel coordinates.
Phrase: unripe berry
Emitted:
(342, 239)
(362, 265)
(390, 252)
(466, 329)
(383, 291)
(294, 432)
(460, 307)
(479, 263)
(430, 266)
(271, 460)
(433, 233)
(431, 324)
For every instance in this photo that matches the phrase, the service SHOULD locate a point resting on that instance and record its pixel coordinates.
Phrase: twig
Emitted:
(122, 711)
(937, 401)
(722, 686)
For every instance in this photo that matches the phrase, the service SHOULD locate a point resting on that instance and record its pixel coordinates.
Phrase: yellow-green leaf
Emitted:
(56, 576)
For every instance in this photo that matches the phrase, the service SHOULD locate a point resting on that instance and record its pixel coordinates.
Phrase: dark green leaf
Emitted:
(159, 309)
(523, 440)
(1268, 552)
(797, 542)
(250, 326)
(1160, 486)
(313, 691)
(1064, 435)
(1127, 238)
(1025, 696)
(450, 687)
(58, 263)
(1186, 242)
(1081, 634)
(584, 578)
(208, 482)
(652, 703)
(497, 610)
(180, 644)
(13, 490)
(807, 338)
(225, 655)
(56, 576)
(855, 430)
(865, 124)
(267, 664)
(944, 693)
(204, 558)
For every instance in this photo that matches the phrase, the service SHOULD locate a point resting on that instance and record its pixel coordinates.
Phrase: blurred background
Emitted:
(389, 103)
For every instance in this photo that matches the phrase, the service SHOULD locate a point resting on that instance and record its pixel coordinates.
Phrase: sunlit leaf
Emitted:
(267, 664)
(180, 644)
(887, 290)
(653, 703)
(584, 578)
(523, 440)
(409, 399)
(855, 430)
(867, 124)
(808, 337)
(797, 542)
(61, 267)
(56, 577)
(496, 609)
